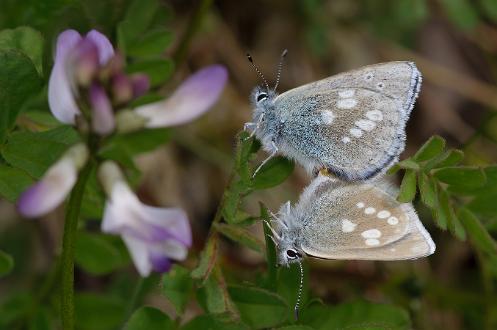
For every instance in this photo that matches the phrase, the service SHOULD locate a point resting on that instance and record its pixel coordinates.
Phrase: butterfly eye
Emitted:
(261, 96)
(292, 254)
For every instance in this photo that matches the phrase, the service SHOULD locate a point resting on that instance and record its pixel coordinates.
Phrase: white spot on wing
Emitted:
(368, 76)
(355, 132)
(383, 214)
(370, 210)
(328, 117)
(348, 226)
(346, 103)
(375, 115)
(346, 93)
(393, 221)
(360, 205)
(365, 124)
(371, 233)
(345, 139)
(372, 242)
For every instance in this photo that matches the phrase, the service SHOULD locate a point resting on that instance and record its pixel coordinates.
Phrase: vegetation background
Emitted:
(454, 44)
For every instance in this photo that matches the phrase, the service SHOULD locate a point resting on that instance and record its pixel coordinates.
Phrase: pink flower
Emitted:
(154, 236)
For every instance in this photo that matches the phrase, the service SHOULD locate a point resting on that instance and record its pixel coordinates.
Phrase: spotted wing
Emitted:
(361, 222)
(352, 123)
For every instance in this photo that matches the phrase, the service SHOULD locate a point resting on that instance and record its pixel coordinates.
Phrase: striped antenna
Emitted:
(258, 71)
(299, 295)
(280, 65)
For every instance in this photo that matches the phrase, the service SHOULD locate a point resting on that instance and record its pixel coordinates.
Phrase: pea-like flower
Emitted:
(48, 193)
(154, 236)
(190, 100)
(77, 61)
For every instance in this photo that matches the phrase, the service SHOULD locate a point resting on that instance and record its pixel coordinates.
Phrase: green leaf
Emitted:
(356, 315)
(158, 70)
(408, 164)
(232, 199)
(6, 264)
(35, 152)
(477, 233)
(96, 254)
(98, 312)
(259, 308)
(137, 142)
(273, 173)
(446, 210)
(13, 182)
(462, 176)
(295, 327)
(483, 203)
(41, 320)
(19, 81)
(177, 286)
(432, 148)
(151, 44)
(26, 40)
(207, 260)
(240, 235)
(461, 13)
(271, 259)
(427, 190)
(489, 9)
(454, 225)
(449, 158)
(149, 318)
(246, 147)
(211, 322)
(407, 187)
(214, 296)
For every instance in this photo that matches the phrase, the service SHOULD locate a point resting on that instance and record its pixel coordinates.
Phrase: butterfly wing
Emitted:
(352, 123)
(361, 222)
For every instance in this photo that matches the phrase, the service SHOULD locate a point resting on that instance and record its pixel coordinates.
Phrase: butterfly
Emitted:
(352, 124)
(334, 219)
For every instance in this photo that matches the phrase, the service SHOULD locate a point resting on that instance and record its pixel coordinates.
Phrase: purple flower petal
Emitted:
(153, 235)
(160, 263)
(122, 88)
(60, 96)
(103, 121)
(194, 97)
(83, 61)
(51, 191)
(105, 49)
(140, 83)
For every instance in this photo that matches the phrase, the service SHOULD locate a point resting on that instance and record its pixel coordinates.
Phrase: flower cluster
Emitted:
(90, 90)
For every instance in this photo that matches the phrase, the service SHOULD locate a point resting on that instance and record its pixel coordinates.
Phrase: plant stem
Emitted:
(192, 28)
(68, 247)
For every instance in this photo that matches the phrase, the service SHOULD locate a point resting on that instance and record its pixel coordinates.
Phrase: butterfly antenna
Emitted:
(299, 295)
(280, 65)
(251, 60)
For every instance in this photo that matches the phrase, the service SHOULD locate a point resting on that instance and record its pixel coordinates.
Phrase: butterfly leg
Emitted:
(273, 151)
(253, 126)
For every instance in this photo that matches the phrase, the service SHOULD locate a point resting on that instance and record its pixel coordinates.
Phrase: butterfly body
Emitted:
(355, 221)
(352, 124)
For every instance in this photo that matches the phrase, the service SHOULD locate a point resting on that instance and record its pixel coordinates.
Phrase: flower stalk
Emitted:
(73, 209)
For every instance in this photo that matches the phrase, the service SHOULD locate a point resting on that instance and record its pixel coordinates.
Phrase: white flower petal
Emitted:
(51, 191)
(60, 95)
(194, 97)
(138, 250)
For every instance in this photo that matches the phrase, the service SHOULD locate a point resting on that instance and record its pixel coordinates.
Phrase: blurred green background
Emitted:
(454, 44)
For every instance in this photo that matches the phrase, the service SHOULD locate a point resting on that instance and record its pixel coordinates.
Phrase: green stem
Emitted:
(68, 247)
(192, 28)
